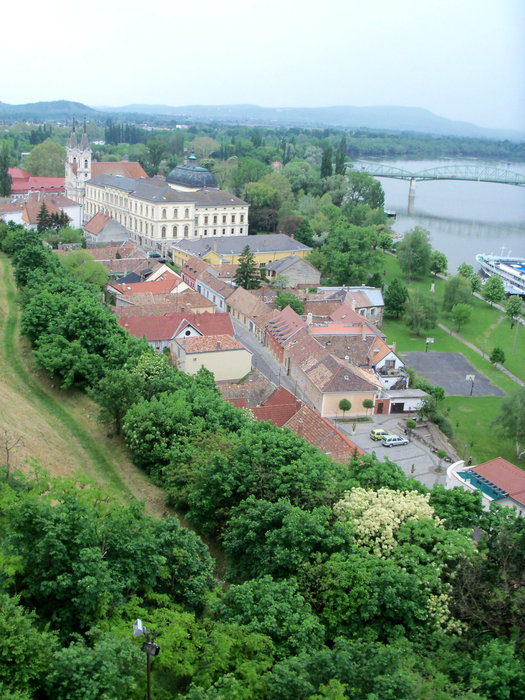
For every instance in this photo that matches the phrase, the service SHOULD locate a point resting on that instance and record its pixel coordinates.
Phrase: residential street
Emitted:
(416, 453)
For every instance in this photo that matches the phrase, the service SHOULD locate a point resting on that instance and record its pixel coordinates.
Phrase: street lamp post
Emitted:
(470, 378)
(149, 647)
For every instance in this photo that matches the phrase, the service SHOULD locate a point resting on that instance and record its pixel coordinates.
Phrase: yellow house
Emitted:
(223, 355)
(265, 248)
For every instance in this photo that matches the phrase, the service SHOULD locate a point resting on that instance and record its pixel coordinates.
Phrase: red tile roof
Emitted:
(285, 325)
(210, 343)
(506, 475)
(97, 223)
(156, 328)
(124, 168)
(238, 402)
(55, 203)
(163, 285)
(278, 415)
(321, 433)
(24, 182)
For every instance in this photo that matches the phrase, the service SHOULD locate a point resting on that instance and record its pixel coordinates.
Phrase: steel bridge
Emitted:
(472, 173)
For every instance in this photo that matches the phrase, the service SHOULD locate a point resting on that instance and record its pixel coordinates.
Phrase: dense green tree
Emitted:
(368, 405)
(460, 314)
(350, 253)
(438, 262)
(304, 233)
(246, 170)
(264, 203)
(326, 162)
(510, 421)
(395, 297)
(46, 159)
(362, 187)
(6, 181)
(156, 149)
(280, 539)
(115, 392)
(421, 313)
(513, 308)
(497, 356)
(465, 270)
(288, 299)
(497, 671)
(82, 265)
(457, 291)
(414, 253)
(247, 274)
(458, 508)
(276, 609)
(25, 651)
(493, 290)
(108, 669)
(345, 405)
(31, 258)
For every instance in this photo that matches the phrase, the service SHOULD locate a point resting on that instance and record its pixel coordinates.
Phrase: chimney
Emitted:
(309, 318)
(218, 345)
(363, 332)
(353, 304)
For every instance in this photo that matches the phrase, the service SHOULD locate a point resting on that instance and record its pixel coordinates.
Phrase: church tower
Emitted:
(78, 164)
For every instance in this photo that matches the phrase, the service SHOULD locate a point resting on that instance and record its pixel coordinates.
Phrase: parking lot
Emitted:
(449, 369)
(415, 454)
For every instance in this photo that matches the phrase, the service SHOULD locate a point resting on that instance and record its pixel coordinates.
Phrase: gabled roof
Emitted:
(219, 287)
(234, 245)
(210, 343)
(165, 284)
(345, 314)
(194, 266)
(157, 328)
(284, 325)
(321, 433)
(280, 266)
(97, 223)
(247, 304)
(505, 475)
(121, 168)
(147, 304)
(55, 203)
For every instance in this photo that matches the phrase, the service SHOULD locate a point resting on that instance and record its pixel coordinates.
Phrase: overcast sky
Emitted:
(462, 59)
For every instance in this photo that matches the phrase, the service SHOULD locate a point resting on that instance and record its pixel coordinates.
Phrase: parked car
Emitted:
(393, 440)
(378, 433)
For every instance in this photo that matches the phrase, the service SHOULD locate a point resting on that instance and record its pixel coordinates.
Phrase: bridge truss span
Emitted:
(471, 173)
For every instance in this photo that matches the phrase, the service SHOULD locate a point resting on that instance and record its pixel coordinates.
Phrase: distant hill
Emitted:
(40, 111)
(384, 118)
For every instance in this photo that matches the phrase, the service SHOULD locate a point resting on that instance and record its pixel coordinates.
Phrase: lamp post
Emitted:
(428, 342)
(149, 647)
(470, 378)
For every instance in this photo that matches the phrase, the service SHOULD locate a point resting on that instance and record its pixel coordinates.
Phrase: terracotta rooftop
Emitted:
(505, 475)
(157, 328)
(284, 325)
(194, 266)
(186, 302)
(210, 343)
(321, 433)
(165, 284)
(55, 203)
(96, 224)
(123, 168)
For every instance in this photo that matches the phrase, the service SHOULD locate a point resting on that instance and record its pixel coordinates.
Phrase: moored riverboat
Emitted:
(510, 269)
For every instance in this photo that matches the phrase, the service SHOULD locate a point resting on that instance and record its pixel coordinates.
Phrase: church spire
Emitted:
(84, 143)
(73, 136)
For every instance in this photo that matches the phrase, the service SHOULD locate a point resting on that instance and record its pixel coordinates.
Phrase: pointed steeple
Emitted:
(84, 143)
(73, 136)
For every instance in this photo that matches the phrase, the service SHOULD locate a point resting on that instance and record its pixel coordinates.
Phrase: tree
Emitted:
(326, 162)
(280, 282)
(115, 393)
(42, 218)
(304, 233)
(247, 274)
(465, 270)
(9, 442)
(420, 313)
(156, 150)
(395, 298)
(81, 264)
(345, 405)
(264, 205)
(46, 159)
(461, 314)
(457, 291)
(414, 253)
(513, 307)
(364, 188)
(510, 421)
(288, 299)
(441, 454)
(368, 405)
(493, 290)
(6, 180)
(204, 146)
(438, 262)
(497, 356)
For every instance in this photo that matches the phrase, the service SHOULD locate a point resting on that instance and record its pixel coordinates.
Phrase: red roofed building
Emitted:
(55, 203)
(498, 480)
(101, 228)
(223, 355)
(24, 183)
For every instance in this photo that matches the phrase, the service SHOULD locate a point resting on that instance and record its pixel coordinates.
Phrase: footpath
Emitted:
(480, 352)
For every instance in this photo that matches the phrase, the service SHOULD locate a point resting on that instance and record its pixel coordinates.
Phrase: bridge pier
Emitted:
(411, 195)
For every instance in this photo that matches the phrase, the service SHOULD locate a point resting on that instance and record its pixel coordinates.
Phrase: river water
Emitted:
(464, 218)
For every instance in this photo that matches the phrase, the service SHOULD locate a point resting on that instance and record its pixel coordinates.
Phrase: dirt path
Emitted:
(58, 428)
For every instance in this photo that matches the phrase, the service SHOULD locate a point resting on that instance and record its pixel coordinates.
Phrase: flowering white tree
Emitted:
(377, 515)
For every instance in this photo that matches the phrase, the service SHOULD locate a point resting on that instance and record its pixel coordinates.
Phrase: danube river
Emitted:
(464, 218)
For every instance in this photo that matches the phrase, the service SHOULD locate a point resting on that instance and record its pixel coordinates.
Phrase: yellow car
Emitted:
(378, 433)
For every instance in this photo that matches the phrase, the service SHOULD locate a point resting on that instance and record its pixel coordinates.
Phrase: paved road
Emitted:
(416, 459)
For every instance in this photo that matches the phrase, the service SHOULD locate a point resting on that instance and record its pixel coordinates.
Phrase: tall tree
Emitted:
(493, 290)
(420, 313)
(42, 218)
(414, 253)
(510, 421)
(46, 159)
(5, 179)
(326, 163)
(247, 274)
(513, 307)
(365, 189)
(395, 298)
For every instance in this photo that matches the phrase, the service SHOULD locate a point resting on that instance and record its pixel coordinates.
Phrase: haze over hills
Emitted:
(384, 118)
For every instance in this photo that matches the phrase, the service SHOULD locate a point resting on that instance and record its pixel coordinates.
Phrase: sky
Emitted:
(461, 59)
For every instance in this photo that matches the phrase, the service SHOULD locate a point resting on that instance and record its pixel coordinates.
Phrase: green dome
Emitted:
(191, 175)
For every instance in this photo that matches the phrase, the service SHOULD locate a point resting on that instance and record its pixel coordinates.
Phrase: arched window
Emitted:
(186, 213)
(163, 213)
(163, 232)
(175, 213)
(186, 231)
(174, 232)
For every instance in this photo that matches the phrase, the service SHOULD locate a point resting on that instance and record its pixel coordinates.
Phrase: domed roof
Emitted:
(191, 175)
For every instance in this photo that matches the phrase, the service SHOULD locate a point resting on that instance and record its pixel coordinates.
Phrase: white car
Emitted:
(393, 440)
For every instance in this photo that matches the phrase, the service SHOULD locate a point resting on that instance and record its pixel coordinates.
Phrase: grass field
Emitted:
(471, 417)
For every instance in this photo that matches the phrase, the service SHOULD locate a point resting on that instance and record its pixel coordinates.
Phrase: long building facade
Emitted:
(157, 215)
